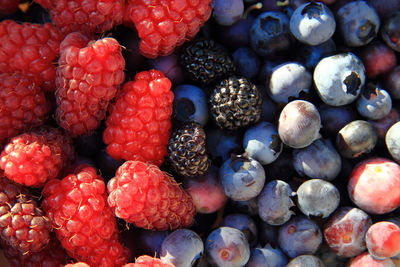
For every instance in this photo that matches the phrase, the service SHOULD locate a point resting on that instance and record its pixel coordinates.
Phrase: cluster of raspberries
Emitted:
(61, 80)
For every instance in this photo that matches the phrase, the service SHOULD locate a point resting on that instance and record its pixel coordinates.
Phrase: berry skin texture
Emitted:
(165, 25)
(24, 105)
(139, 124)
(374, 185)
(84, 15)
(31, 49)
(89, 75)
(365, 259)
(34, 157)
(383, 240)
(148, 261)
(142, 194)
(85, 225)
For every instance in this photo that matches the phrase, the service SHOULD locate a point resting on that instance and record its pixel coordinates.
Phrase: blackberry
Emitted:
(205, 61)
(187, 150)
(236, 102)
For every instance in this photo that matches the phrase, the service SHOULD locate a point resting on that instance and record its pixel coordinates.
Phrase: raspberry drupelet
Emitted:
(85, 224)
(148, 261)
(89, 75)
(142, 194)
(139, 124)
(164, 25)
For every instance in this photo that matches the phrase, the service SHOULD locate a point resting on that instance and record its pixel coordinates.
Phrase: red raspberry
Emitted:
(23, 225)
(148, 261)
(164, 25)
(8, 7)
(142, 194)
(53, 255)
(23, 105)
(88, 77)
(85, 224)
(34, 157)
(139, 123)
(86, 16)
(78, 264)
(32, 49)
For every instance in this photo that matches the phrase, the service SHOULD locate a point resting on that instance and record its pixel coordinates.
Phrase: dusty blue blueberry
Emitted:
(221, 144)
(247, 62)
(243, 223)
(312, 23)
(227, 247)
(227, 12)
(317, 197)
(339, 78)
(335, 118)
(242, 178)
(262, 143)
(374, 103)
(309, 55)
(393, 141)
(275, 203)
(182, 248)
(318, 160)
(273, 257)
(306, 261)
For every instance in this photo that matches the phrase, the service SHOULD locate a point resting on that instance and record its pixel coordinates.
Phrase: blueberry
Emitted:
(393, 141)
(270, 33)
(242, 178)
(190, 104)
(392, 82)
(306, 261)
(309, 55)
(317, 197)
(374, 103)
(335, 118)
(339, 78)
(181, 248)
(170, 66)
(227, 247)
(390, 31)
(236, 35)
(259, 257)
(268, 234)
(356, 138)
(107, 165)
(275, 203)
(227, 12)
(318, 160)
(299, 236)
(299, 124)
(312, 23)
(287, 81)
(261, 142)
(358, 23)
(243, 223)
(249, 207)
(146, 241)
(247, 62)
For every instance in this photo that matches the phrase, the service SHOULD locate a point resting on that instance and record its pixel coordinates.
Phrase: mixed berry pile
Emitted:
(200, 133)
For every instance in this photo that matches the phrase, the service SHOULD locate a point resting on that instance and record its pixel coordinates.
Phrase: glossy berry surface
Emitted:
(383, 240)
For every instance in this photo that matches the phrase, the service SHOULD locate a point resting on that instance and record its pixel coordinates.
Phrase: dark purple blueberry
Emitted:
(262, 143)
(243, 223)
(249, 207)
(339, 78)
(190, 104)
(268, 234)
(391, 31)
(299, 124)
(182, 248)
(318, 160)
(299, 236)
(287, 81)
(227, 247)
(374, 103)
(385, 8)
(270, 33)
(269, 107)
(381, 126)
(242, 178)
(318, 198)
(147, 241)
(227, 12)
(275, 203)
(282, 167)
(259, 257)
(335, 118)
(310, 55)
(107, 164)
(312, 23)
(247, 62)
(356, 138)
(306, 261)
(237, 35)
(170, 66)
(358, 23)
(392, 83)
(393, 141)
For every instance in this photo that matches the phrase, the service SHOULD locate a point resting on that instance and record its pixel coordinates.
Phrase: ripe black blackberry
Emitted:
(187, 150)
(206, 61)
(235, 102)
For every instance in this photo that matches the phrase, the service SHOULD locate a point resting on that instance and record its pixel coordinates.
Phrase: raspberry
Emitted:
(34, 157)
(23, 225)
(165, 25)
(23, 105)
(78, 264)
(142, 194)
(84, 15)
(148, 261)
(139, 123)
(88, 77)
(8, 7)
(31, 49)
(85, 224)
(53, 255)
